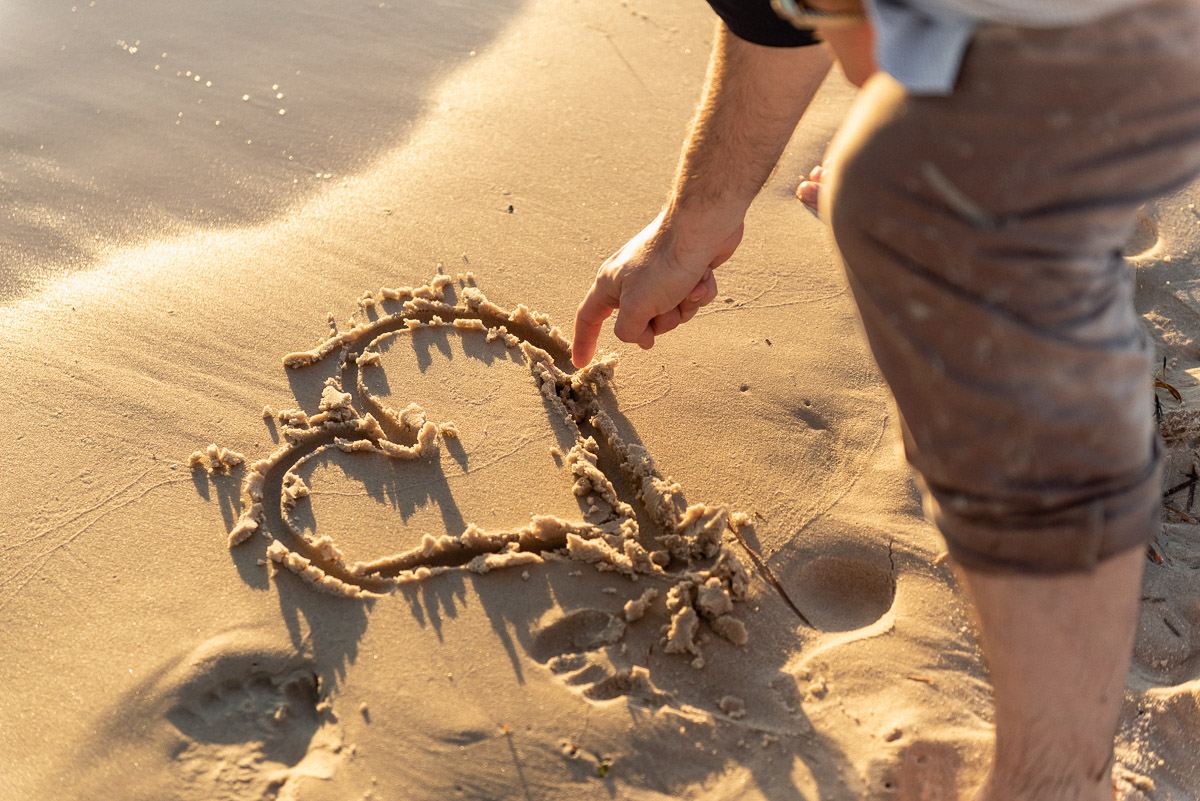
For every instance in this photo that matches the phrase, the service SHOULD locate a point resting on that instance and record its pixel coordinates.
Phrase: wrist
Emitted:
(697, 242)
(690, 227)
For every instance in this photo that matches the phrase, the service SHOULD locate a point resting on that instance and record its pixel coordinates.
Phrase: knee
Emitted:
(864, 160)
(844, 198)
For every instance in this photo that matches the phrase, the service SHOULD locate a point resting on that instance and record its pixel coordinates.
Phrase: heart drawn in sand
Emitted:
(358, 419)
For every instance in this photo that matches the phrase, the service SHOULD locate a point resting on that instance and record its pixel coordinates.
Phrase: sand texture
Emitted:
(303, 499)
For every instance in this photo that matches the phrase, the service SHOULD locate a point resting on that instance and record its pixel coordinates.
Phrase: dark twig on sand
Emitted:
(1189, 483)
(1184, 516)
(766, 571)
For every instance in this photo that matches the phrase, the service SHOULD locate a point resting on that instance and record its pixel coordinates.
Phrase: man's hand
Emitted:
(657, 281)
(753, 98)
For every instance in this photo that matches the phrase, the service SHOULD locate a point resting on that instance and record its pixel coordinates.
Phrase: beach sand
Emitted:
(461, 569)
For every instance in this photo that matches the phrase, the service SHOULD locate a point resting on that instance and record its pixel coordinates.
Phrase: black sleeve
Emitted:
(757, 23)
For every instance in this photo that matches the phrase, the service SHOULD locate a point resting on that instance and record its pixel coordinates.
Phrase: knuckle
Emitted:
(624, 330)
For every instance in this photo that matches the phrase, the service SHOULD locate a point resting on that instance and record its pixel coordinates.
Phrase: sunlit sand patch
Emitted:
(365, 414)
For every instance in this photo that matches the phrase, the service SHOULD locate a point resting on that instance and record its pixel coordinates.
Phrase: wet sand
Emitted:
(546, 557)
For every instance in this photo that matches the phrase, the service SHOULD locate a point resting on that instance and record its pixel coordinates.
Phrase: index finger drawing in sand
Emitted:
(979, 193)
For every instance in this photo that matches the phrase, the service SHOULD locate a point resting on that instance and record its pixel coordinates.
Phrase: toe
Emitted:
(808, 192)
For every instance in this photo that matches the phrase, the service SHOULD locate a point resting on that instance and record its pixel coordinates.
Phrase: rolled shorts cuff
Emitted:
(1075, 535)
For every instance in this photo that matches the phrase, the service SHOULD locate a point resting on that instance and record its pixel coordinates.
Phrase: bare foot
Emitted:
(810, 188)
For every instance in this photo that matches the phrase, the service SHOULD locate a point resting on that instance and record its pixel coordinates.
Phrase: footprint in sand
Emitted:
(605, 655)
(843, 593)
(1162, 710)
(1167, 651)
(583, 649)
(248, 717)
(232, 719)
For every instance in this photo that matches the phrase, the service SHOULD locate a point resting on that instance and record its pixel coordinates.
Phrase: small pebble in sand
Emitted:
(731, 629)
(733, 706)
(1139, 782)
(636, 609)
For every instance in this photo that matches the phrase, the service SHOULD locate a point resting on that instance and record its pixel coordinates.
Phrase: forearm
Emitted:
(753, 98)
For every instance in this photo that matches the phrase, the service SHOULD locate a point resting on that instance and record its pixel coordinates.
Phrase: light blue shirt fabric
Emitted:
(920, 49)
(921, 42)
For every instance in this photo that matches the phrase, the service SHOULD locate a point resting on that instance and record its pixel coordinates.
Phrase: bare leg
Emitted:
(1058, 648)
(920, 262)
